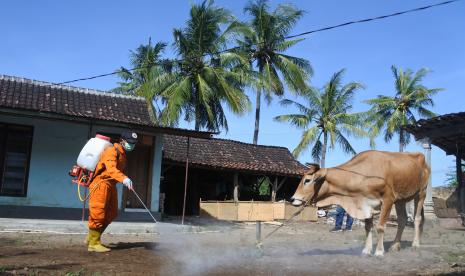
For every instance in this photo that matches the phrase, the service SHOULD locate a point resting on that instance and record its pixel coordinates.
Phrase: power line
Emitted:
(285, 38)
(373, 18)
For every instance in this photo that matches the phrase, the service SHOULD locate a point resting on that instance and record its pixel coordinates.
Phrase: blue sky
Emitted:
(62, 40)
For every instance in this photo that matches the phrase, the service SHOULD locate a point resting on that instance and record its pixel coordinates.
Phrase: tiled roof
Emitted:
(446, 132)
(424, 125)
(232, 155)
(32, 95)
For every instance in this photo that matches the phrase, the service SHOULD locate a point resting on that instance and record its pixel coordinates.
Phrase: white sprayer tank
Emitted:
(91, 152)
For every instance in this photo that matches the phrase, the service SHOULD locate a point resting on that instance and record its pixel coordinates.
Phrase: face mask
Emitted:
(127, 146)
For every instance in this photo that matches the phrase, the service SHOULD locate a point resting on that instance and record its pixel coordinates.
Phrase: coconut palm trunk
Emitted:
(198, 116)
(401, 141)
(257, 116)
(323, 149)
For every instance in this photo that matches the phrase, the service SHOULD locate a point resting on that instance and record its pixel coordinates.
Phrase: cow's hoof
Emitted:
(416, 244)
(395, 247)
(379, 253)
(366, 252)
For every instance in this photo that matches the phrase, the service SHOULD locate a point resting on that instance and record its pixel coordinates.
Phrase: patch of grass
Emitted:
(18, 242)
(455, 257)
(6, 242)
(79, 273)
(5, 268)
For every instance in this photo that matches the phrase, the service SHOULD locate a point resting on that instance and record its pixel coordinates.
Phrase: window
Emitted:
(15, 152)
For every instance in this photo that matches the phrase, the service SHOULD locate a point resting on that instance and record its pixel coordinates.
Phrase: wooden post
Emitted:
(274, 189)
(236, 187)
(185, 181)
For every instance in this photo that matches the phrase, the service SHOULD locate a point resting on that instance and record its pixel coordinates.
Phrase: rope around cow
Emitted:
(260, 243)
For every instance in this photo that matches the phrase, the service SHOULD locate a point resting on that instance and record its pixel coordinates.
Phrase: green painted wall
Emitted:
(55, 147)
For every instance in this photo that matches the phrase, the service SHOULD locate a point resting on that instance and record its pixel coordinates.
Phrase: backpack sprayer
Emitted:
(87, 161)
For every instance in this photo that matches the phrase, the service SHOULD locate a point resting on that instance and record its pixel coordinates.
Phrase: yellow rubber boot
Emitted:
(86, 240)
(94, 242)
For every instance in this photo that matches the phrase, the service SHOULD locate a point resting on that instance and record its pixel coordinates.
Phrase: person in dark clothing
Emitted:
(340, 212)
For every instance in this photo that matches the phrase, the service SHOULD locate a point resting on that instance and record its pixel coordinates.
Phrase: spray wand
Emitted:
(140, 200)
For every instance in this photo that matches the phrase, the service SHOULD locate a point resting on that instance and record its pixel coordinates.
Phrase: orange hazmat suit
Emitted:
(103, 200)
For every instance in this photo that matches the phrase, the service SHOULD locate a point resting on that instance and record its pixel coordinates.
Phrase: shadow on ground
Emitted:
(129, 245)
(353, 251)
(17, 254)
(55, 266)
(403, 245)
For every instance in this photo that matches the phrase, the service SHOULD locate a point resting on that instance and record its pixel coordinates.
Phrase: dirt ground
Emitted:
(229, 249)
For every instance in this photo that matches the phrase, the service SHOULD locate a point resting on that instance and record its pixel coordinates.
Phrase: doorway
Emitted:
(138, 168)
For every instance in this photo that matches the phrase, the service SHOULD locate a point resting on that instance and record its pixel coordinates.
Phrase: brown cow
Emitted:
(369, 180)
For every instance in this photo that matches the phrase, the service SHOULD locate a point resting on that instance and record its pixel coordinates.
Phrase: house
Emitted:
(221, 169)
(447, 132)
(42, 130)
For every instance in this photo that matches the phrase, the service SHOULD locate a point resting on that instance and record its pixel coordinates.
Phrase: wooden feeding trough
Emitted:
(255, 211)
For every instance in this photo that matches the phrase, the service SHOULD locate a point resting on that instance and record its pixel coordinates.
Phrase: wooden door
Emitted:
(138, 168)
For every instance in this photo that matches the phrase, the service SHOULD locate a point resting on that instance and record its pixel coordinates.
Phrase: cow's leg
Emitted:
(401, 221)
(419, 217)
(369, 234)
(383, 216)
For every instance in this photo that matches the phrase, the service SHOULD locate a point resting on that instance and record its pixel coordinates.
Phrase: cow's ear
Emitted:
(312, 168)
(321, 175)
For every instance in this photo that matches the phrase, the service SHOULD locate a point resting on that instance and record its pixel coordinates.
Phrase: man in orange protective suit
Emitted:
(103, 200)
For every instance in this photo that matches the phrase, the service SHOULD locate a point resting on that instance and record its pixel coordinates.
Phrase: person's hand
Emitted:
(128, 183)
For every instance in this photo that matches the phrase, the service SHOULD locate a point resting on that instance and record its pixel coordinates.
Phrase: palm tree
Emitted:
(393, 113)
(264, 43)
(324, 118)
(147, 64)
(203, 79)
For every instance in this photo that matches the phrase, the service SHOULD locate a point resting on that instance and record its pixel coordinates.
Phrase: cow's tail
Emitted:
(422, 220)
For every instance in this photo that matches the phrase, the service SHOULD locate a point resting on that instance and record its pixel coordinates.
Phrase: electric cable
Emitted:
(284, 38)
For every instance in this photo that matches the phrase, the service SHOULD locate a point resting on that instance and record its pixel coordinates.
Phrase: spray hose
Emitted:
(91, 191)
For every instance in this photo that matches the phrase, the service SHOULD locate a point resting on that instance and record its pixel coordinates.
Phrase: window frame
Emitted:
(7, 127)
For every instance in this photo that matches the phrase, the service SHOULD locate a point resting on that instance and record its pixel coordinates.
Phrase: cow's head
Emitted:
(309, 186)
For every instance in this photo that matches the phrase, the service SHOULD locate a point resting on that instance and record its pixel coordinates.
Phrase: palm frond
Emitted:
(308, 137)
(177, 95)
(344, 144)
(302, 108)
(317, 150)
(294, 75)
(298, 120)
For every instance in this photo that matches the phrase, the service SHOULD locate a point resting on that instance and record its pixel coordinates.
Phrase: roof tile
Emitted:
(20, 93)
(228, 154)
